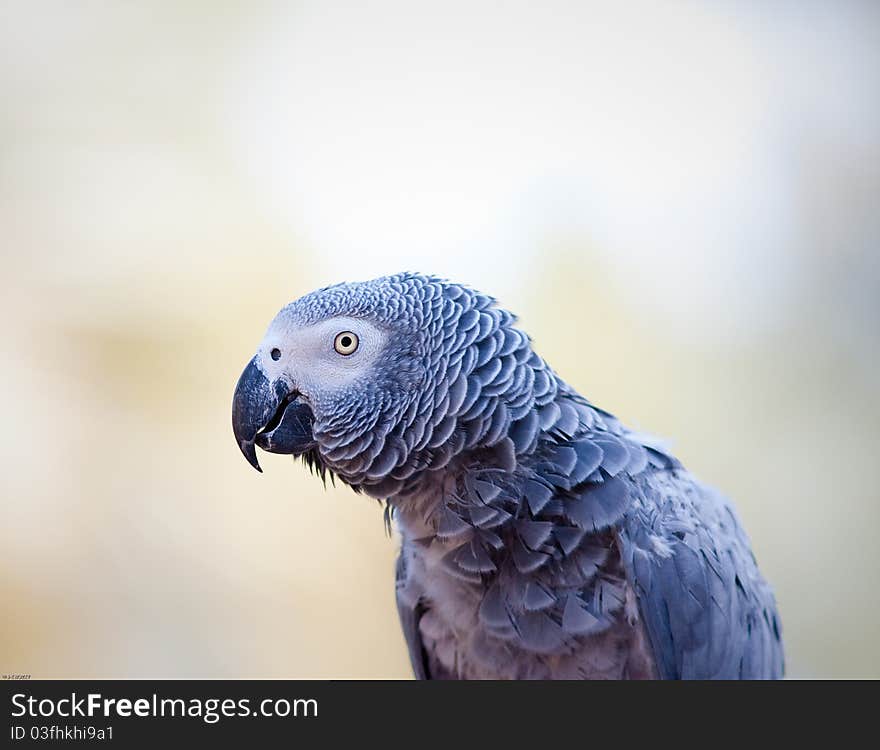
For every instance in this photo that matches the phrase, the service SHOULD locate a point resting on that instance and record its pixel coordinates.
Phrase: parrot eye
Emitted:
(345, 343)
(275, 354)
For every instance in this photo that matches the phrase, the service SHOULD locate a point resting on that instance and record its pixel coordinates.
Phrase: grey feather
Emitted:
(541, 537)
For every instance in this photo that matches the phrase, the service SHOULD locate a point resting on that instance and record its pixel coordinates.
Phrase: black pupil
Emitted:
(275, 354)
(345, 341)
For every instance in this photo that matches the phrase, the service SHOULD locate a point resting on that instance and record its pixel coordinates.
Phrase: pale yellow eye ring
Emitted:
(345, 343)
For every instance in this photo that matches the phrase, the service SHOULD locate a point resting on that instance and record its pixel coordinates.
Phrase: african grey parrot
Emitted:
(541, 539)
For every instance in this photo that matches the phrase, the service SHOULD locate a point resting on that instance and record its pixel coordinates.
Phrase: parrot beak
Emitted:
(269, 414)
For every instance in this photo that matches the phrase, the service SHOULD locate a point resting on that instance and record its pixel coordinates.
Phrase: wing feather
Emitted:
(411, 612)
(708, 611)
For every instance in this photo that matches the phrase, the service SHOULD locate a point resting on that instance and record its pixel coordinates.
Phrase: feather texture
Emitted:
(541, 538)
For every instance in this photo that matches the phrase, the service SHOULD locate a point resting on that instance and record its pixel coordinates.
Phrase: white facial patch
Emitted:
(307, 358)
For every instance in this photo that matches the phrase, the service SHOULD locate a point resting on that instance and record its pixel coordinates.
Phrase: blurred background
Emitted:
(681, 200)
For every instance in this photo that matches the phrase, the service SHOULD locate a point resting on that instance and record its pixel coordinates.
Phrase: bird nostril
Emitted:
(275, 354)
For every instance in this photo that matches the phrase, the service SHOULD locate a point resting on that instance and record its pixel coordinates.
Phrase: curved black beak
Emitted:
(269, 414)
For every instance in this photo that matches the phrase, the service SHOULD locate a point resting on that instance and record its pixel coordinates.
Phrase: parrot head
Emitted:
(376, 381)
(335, 364)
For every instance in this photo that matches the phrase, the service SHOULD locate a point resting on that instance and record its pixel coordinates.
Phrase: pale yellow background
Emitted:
(680, 200)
